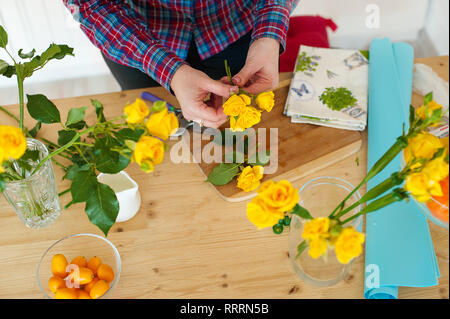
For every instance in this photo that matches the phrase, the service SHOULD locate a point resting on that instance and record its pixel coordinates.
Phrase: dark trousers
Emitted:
(236, 53)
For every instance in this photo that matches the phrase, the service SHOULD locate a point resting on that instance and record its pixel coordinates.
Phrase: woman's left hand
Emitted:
(260, 72)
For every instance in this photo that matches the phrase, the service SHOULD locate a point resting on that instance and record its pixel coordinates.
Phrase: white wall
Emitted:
(36, 24)
(401, 20)
(436, 26)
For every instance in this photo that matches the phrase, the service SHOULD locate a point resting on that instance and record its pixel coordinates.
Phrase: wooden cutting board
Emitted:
(302, 148)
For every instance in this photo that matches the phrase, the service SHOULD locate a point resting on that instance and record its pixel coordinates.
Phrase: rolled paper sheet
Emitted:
(399, 249)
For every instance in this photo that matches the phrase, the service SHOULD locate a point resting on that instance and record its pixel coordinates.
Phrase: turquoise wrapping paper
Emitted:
(398, 242)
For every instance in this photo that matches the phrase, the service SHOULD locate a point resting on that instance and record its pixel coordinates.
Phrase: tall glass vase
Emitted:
(320, 196)
(35, 198)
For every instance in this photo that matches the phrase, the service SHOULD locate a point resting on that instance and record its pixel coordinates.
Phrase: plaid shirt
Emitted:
(154, 35)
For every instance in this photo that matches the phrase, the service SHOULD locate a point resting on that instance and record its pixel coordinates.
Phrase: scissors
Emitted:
(184, 124)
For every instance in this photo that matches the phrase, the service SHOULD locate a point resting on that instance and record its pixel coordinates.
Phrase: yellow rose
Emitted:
(317, 247)
(316, 228)
(234, 127)
(2, 159)
(423, 145)
(250, 177)
(266, 185)
(162, 124)
(136, 112)
(431, 106)
(436, 169)
(281, 196)
(234, 106)
(247, 99)
(444, 142)
(348, 245)
(265, 101)
(149, 151)
(422, 187)
(249, 117)
(261, 214)
(12, 142)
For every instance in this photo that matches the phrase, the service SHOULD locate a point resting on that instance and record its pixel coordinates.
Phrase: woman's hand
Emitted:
(260, 72)
(191, 87)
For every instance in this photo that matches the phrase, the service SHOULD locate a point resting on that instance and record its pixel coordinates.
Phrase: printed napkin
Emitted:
(329, 88)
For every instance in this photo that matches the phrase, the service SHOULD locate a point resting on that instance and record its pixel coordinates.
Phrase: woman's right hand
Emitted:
(191, 87)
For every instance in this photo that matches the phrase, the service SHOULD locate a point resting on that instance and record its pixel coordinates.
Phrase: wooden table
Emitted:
(185, 242)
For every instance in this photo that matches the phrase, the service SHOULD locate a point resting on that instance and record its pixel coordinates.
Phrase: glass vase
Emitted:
(320, 196)
(35, 198)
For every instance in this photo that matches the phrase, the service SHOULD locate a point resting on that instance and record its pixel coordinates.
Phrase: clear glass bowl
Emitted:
(320, 196)
(87, 245)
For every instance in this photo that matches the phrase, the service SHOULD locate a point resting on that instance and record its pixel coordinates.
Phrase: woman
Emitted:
(182, 46)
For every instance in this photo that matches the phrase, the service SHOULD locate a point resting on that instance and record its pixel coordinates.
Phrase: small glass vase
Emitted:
(35, 198)
(320, 196)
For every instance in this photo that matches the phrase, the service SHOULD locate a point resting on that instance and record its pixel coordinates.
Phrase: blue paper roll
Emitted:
(399, 249)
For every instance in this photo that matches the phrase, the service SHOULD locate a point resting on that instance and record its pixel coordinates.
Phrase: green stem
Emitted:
(9, 114)
(60, 150)
(373, 193)
(21, 99)
(384, 160)
(58, 163)
(375, 205)
(64, 192)
(228, 72)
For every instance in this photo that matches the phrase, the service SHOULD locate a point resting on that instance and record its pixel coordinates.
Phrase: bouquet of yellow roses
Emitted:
(240, 110)
(426, 165)
(82, 150)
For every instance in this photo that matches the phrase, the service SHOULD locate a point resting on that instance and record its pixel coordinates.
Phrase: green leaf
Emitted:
(301, 212)
(32, 155)
(76, 115)
(3, 66)
(83, 184)
(129, 134)
(35, 130)
(3, 38)
(28, 55)
(102, 207)
(106, 160)
(365, 53)
(64, 50)
(223, 173)
(42, 109)
(74, 169)
(301, 247)
(65, 136)
(9, 72)
(54, 51)
(2, 184)
(428, 98)
(158, 106)
(77, 126)
(98, 110)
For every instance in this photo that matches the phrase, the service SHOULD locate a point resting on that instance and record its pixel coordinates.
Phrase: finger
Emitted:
(218, 88)
(216, 101)
(261, 85)
(244, 75)
(214, 124)
(225, 80)
(206, 113)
